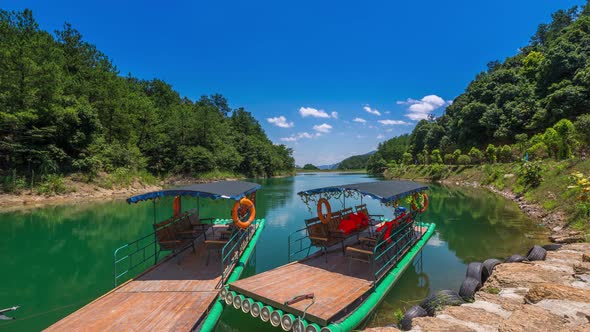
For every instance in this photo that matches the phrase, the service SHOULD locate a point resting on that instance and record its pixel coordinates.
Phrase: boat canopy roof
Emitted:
(223, 189)
(385, 191)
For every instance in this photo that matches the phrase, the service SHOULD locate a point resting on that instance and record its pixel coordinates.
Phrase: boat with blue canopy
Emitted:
(186, 261)
(342, 263)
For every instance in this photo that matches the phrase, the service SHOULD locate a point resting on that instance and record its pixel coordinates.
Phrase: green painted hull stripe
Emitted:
(360, 314)
(217, 309)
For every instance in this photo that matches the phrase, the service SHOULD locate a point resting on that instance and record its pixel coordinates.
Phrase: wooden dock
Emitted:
(339, 285)
(174, 295)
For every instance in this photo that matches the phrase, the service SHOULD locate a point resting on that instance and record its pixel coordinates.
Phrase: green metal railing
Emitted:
(299, 242)
(134, 254)
(389, 250)
(231, 252)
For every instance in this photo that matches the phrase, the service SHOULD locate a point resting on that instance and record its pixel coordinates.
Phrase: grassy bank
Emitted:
(553, 192)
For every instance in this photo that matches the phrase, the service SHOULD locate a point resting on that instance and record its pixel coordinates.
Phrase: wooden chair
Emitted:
(319, 236)
(217, 243)
(372, 217)
(168, 239)
(364, 250)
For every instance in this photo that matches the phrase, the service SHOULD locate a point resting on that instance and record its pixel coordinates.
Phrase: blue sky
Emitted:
(328, 78)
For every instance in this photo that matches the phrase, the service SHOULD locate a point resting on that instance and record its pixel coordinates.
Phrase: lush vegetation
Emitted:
(310, 167)
(533, 105)
(64, 108)
(355, 162)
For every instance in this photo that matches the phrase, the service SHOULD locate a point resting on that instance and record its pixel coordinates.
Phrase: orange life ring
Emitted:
(325, 219)
(176, 206)
(237, 212)
(424, 207)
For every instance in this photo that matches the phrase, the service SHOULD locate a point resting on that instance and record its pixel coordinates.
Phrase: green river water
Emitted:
(56, 259)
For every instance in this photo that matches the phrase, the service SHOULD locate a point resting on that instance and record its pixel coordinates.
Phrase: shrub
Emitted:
(435, 157)
(491, 174)
(566, 131)
(449, 159)
(52, 184)
(476, 155)
(580, 184)
(12, 183)
(552, 141)
(538, 151)
(438, 171)
(456, 155)
(464, 160)
(521, 142)
(505, 154)
(407, 158)
(529, 174)
(491, 153)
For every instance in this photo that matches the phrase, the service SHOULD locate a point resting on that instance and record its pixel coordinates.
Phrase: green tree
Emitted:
(505, 154)
(407, 158)
(566, 131)
(491, 153)
(476, 155)
(435, 157)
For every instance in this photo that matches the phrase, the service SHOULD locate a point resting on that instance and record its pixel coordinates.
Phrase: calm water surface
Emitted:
(56, 259)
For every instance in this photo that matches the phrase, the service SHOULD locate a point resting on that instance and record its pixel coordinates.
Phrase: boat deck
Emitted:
(174, 295)
(339, 285)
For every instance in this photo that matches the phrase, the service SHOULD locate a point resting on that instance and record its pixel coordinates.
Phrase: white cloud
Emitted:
(334, 115)
(323, 128)
(295, 138)
(360, 120)
(420, 109)
(380, 136)
(394, 122)
(310, 111)
(280, 121)
(373, 111)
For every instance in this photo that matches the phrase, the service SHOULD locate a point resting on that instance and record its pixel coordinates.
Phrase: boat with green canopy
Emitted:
(343, 263)
(187, 260)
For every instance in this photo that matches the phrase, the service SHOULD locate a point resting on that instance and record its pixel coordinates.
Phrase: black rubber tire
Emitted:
(474, 270)
(413, 312)
(468, 288)
(515, 259)
(552, 246)
(488, 268)
(536, 254)
(441, 299)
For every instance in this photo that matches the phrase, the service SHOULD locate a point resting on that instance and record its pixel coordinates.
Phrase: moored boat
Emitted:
(188, 258)
(342, 263)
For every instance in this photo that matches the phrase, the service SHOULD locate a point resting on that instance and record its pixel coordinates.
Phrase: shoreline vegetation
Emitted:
(74, 188)
(67, 114)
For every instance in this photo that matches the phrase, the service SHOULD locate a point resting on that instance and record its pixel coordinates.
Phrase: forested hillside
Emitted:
(515, 104)
(65, 108)
(355, 162)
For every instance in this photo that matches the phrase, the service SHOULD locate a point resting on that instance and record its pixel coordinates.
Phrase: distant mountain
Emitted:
(329, 167)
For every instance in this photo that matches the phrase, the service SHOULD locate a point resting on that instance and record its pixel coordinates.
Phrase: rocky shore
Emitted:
(548, 295)
(84, 192)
